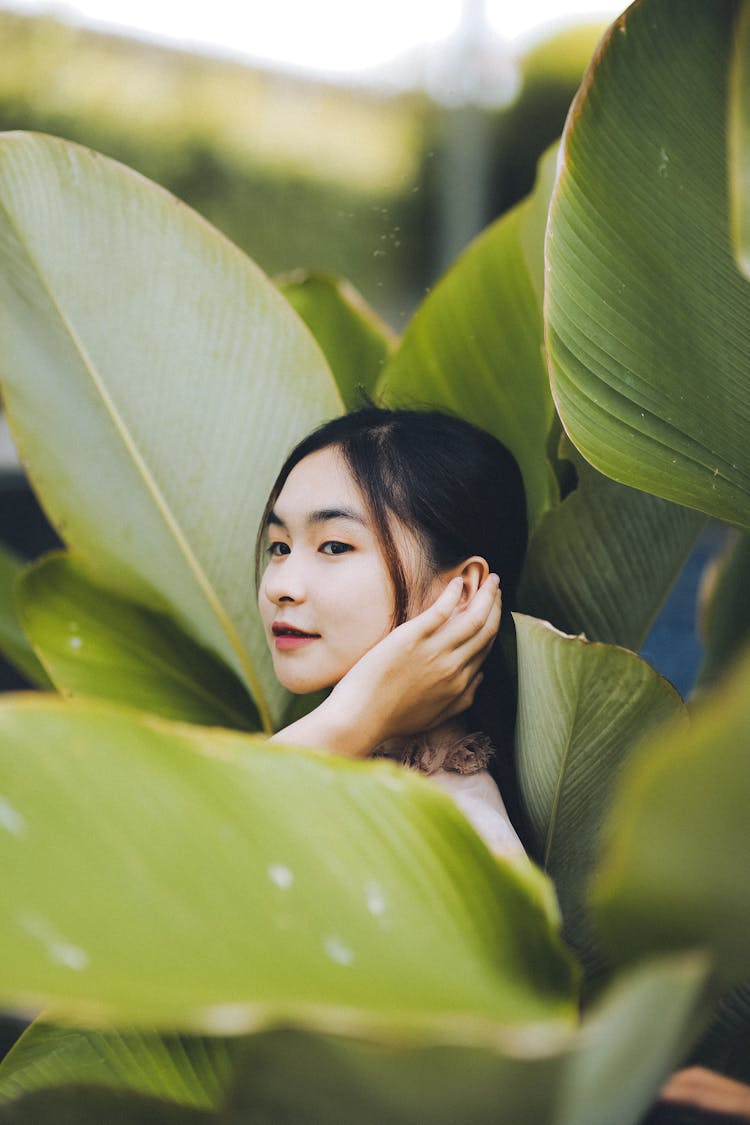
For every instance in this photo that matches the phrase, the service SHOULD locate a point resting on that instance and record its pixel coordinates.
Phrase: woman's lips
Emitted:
(286, 638)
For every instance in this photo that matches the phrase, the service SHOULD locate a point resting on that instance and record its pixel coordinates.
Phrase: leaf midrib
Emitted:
(151, 487)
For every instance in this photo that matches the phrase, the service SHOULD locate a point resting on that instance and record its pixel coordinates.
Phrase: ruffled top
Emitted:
(459, 767)
(468, 754)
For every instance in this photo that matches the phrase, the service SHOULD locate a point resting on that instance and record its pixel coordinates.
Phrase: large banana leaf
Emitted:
(179, 876)
(648, 316)
(582, 708)
(354, 340)
(475, 344)
(678, 839)
(94, 643)
(607, 1070)
(14, 644)
(154, 379)
(602, 561)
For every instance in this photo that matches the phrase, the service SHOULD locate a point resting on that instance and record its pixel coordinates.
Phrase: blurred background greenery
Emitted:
(370, 183)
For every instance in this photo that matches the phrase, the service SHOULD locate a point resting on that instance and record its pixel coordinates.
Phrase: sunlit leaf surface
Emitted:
(154, 379)
(95, 643)
(582, 709)
(132, 848)
(648, 316)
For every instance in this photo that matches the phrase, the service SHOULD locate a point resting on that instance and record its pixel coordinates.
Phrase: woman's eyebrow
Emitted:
(323, 515)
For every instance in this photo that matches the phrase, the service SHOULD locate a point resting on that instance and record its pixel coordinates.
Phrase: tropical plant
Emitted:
(218, 932)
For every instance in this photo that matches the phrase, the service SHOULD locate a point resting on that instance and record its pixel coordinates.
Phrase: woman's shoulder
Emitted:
(478, 798)
(458, 766)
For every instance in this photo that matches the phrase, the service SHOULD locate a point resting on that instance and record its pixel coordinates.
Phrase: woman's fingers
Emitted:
(479, 621)
(441, 610)
(461, 624)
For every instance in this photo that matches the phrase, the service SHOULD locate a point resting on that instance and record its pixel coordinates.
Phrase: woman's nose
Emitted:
(283, 581)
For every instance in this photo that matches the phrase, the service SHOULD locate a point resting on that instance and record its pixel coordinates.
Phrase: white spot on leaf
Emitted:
(59, 950)
(11, 819)
(280, 875)
(74, 642)
(375, 899)
(71, 956)
(337, 951)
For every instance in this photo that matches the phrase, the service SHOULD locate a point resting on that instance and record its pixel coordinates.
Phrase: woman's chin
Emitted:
(304, 687)
(303, 674)
(299, 682)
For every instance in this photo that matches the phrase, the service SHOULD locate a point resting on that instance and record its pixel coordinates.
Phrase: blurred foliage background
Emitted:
(296, 171)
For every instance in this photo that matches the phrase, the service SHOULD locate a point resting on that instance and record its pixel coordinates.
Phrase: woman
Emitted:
(380, 550)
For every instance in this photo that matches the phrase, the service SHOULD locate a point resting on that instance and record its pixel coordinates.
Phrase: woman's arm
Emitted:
(425, 671)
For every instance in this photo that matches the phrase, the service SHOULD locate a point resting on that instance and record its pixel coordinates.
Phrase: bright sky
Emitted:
(323, 35)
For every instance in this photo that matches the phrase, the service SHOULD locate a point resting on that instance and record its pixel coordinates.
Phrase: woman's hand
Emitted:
(423, 672)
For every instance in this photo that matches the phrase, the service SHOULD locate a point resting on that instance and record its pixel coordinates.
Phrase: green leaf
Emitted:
(475, 345)
(154, 379)
(726, 609)
(94, 643)
(133, 846)
(14, 644)
(607, 1070)
(648, 317)
(353, 338)
(603, 561)
(297, 1076)
(739, 139)
(86, 1105)
(638, 1033)
(582, 708)
(674, 872)
(186, 1069)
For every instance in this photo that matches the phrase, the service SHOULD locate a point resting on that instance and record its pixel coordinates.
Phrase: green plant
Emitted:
(248, 934)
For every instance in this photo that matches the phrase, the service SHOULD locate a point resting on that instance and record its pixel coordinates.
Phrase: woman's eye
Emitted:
(277, 548)
(333, 547)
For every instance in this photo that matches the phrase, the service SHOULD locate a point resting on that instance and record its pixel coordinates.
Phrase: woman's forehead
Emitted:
(321, 482)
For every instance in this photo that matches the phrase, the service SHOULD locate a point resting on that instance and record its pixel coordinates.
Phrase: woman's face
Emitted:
(326, 596)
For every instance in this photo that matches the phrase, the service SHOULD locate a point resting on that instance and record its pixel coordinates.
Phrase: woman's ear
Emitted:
(473, 572)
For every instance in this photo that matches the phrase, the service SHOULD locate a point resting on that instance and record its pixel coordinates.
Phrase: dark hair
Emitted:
(454, 485)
